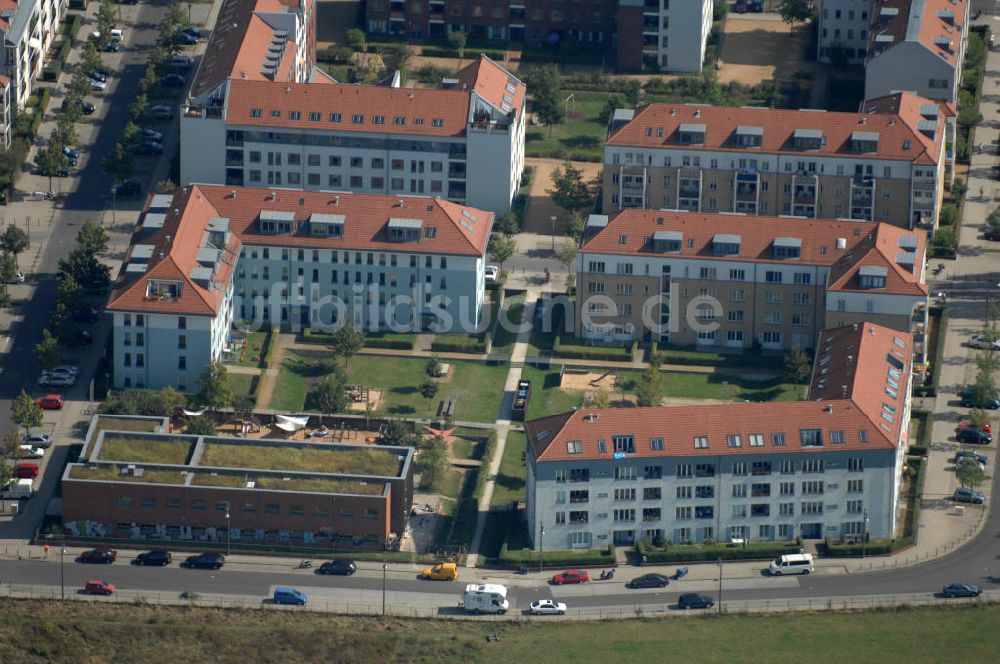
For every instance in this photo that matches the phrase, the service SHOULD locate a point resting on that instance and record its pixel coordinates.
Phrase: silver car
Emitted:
(42, 440)
(30, 452)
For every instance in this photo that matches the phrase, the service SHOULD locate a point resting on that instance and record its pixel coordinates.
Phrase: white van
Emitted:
(796, 563)
(485, 598)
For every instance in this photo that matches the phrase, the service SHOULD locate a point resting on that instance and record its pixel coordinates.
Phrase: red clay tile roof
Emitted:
(421, 109)
(490, 81)
(920, 21)
(859, 410)
(657, 125)
(174, 255)
(880, 249)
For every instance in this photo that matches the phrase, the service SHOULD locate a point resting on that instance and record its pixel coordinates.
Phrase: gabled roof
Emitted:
(423, 111)
(934, 24)
(170, 253)
(660, 126)
(852, 420)
(494, 84)
(889, 248)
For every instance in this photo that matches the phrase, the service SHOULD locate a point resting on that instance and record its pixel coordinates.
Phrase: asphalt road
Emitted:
(88, 199)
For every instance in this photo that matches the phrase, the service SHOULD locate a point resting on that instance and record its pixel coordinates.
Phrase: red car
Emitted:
(571, 576)
(26, 471)
(99, 588)
(985, 428)
(50, 402)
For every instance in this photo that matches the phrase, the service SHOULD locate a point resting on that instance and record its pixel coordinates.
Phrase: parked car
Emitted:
(86, 315)
(185, 38)
(179, 62)
(290, 596)
(441, 572)
(985, 426)
(161, 111)
(961, 590)
(56, 380)
(42, 440)
(571, 576)
(983, 342)
(543, 607)
(969, 401)
(649, 581)
(97, 75)
(341, 567)
(129, 187)
(99, 556)
(30, 452)
(492, 272)
(98, 86)
(147, 148)
(64, 172)
(992, 234)
(695, 601)
(113, 46)
(50, 402)
(151, 135)
(966, 495)
(974, 436)
(82, 338)
(206, 561)
(173, 81)
(156, 557)
(962, 455)
(71, 152)
(85, 106)
(26, 471)
(71, 369)
(99, 588)
(17, 278)
(197, 33)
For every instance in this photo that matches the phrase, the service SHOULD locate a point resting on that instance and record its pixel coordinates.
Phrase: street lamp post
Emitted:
(864, 536)
(62, 572)
(229, 533)
(553, 220)
(385, 568)
(720, 585)
(541, 548)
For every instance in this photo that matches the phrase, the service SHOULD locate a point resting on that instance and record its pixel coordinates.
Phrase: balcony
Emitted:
(689, 192)
(805, 196)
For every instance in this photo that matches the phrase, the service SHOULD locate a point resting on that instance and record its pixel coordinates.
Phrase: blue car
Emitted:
(290, 596)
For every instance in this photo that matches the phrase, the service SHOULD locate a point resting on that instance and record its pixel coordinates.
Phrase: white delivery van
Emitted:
(796, 563)
(22, 488)
(485, 598)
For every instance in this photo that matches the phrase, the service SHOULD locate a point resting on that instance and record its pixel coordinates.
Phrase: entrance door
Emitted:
(624, 537)
(812, 530)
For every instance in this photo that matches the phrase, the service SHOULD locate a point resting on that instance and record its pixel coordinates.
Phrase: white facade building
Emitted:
(675, 34)
(29, 28)
(843, 30)
(210, 254)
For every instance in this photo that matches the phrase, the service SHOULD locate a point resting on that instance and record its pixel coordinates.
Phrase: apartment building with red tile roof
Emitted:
(870, 165)
(826, 466)
(743, 281)
(262, 114)
(210, 254)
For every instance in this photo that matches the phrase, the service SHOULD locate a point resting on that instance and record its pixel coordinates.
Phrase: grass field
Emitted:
(510, 480)
(581, 137)
(41, 631)
(477, 386)
(240, 383)
(250, 353)
(504, 335)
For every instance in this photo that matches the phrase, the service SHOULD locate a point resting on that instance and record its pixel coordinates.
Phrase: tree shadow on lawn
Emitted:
(402, 410)
(510, 483)
(580, 141)
(404, 389)
(308, 368)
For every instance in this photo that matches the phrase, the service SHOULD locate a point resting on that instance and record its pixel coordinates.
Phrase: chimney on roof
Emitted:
(288, 89)
(673, 112)
(697, 112)
(273, 196)
(232, 194)
(850, 359)
(243, 75)
(892, 121)
(399, 203)
(855, 326)
(828, 408)
(871, 331)
(336, 200)
(863, 120)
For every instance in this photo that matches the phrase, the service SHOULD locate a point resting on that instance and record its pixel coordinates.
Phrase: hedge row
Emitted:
(856, 549)
(444, 52)
(680, 553)
(461, 344)
(935, 351)
(393, 344)
(686, 357)
(612, 354)
(54, 68)
(558, 558)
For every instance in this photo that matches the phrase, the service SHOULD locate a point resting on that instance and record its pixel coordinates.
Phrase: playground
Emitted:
(585, 379)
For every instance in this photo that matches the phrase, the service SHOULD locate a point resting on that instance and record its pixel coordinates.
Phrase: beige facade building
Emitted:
(885, 164)
(740, 281)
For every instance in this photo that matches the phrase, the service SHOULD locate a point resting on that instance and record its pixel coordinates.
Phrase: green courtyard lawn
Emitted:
(240, 383)
(510, 480)
(580, 138)
(250, 353)
(546, 397)
(504, 335)
(478, 387)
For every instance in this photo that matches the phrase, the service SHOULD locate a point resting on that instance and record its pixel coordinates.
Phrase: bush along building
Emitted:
(262, 114)
(829, 466)
(885, 163)
(136, 481)
(208, 255)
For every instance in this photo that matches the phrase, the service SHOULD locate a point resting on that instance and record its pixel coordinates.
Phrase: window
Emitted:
(683, 470)
(652, 472)
(578, 517)
(739, 491)
(761, 468)
(813, 507)
(855, 464)
(704, 512)
(651, 514)
(787, 467)
(681, 513)
(198, 505)
(733, 440)
(739, 468)
(579, 475)
(560, 475)
(811, 437)
(760, 490)
(855, 506)
(624, 494)
(772, 276)
(812, 487)
(812, 466)
(579, 496)
(786, 488)
(560, 518)
(624, 444)
(704, 470)
(758, 510)
(855, 486)
(778, 439)
(756, 440)
(656, 444)
(625, 472)
(739, 511)
(700, 442)
(574, 447)
(651, 493)
(704, 491)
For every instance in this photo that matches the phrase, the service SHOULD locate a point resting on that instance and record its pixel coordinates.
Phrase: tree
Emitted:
(797, 366)
(137, 109)
(569, 191)
(433, 367)
(8, 275)
(6, 475)
(47, 351)
(85, 267)
(13, 241)
(977, 417)
(506, 223)
(176, 16)
(167, 186)
(457, 39)
(92, 238)
(428, 389)
(65, 131)
(545, 84)
(600, 399)
(11, 441)
(347, 341)
(90, 61)
(200, 426)
(396, 432)
(984, 389)
(105, 22)
(649, 389)
(396, 56)
(213, 387)
(328, 395)
(794, 11)
(576, 226)
(501, 248)
(50, 160)
(243, 406)
(120, 164)
(613, 103)
(25, 413)
(969, 473)
(61, 323)
(356, 39)
(431, 463)
(567, 256)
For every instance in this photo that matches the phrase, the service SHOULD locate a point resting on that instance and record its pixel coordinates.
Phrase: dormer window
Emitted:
(872, 277)
(864, 141)
(787, 247)
(726, 245)
(405, 230)
(667, 241)
(748, 137)
(274, 222)
(807, 139)
(163, 290)
(691, 134)
(326, 225)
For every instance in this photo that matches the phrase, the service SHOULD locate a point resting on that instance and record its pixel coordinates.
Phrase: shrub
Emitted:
(677, 553)
(454, 343)
(77, 4)
(557, 558)
(949, 214)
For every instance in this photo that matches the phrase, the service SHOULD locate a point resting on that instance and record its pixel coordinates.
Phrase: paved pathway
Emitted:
(268, 380)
